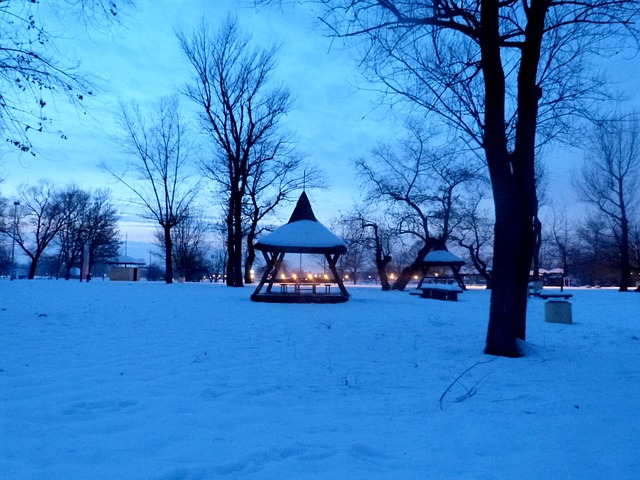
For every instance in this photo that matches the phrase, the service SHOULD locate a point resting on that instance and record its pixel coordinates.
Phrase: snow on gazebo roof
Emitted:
(302, 234)
(443, 258)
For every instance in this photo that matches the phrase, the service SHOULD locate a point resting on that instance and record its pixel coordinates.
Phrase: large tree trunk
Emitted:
(230, 245)
(480, 266)
(511, 263)
(381, 265)
(248, 263)
(625, 263)
(382, 260)
(536, 248)
(32, 267)
(251, 254)
(416, 267)
(168, 253)
(236, 265)
(512, 176)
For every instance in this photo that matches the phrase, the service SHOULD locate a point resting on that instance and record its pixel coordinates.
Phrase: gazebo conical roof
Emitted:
(302, 234)
(303, 210)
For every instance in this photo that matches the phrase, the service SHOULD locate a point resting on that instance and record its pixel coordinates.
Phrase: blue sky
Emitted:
(333, 119)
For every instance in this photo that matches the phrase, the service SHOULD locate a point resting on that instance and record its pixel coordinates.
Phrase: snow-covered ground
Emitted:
(194, 381)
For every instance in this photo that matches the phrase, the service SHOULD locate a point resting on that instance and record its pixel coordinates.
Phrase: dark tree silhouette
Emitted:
(73, 201)
(41, 217)
(597, 251)
(382, 255)
(475, 230)
(276, 175)
(610, 181)
(32, 69)
(159, 173)
(420, 184)
(240, 110)
(508, 75)
(190, 246)
(92, 223)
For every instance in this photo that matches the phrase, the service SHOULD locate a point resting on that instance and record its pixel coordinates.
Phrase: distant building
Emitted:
(125, 269)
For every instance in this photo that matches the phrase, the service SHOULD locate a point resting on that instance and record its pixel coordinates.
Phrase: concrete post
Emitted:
(558, 311)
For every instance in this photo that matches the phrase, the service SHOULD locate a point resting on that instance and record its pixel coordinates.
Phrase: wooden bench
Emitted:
(441, 292)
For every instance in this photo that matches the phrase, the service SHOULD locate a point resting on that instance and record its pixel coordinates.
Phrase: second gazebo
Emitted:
(443, 259)
(302, 234)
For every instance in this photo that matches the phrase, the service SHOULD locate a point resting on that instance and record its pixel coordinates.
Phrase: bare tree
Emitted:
(562, 234)
(73, 202)
(190, 246)
(475, 230)
(100, 229)
(5, 251)
(40, 219)
(610, 181)
(366, 231)
(541, 198)
(5, 260)
(277, 174)
(382, 250)
(420, 184)
(507, 75)
(92, 229)
(350, 229)
(218, 265)
(634, 253)
(32, 69)
(159, 172)
(240, 111)
(596, 254)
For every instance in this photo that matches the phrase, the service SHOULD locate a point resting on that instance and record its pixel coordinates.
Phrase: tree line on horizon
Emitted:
(82, 227)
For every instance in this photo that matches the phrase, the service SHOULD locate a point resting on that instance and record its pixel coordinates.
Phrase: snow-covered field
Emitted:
(194, 381)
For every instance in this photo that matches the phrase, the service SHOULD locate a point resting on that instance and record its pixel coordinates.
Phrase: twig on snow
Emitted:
(470, 392)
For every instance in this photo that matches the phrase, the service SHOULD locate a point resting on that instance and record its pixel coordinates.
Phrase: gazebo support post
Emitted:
(277, 261)
(332, 260)
(272, 262)
(265, 275)
(456, 273)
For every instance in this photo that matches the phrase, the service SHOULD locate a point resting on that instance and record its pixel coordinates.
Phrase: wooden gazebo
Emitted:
(443, 259)
(302, 234)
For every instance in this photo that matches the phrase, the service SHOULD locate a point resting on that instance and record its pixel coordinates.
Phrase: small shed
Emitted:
(443, 259)
(125, 269)
(303, 234)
